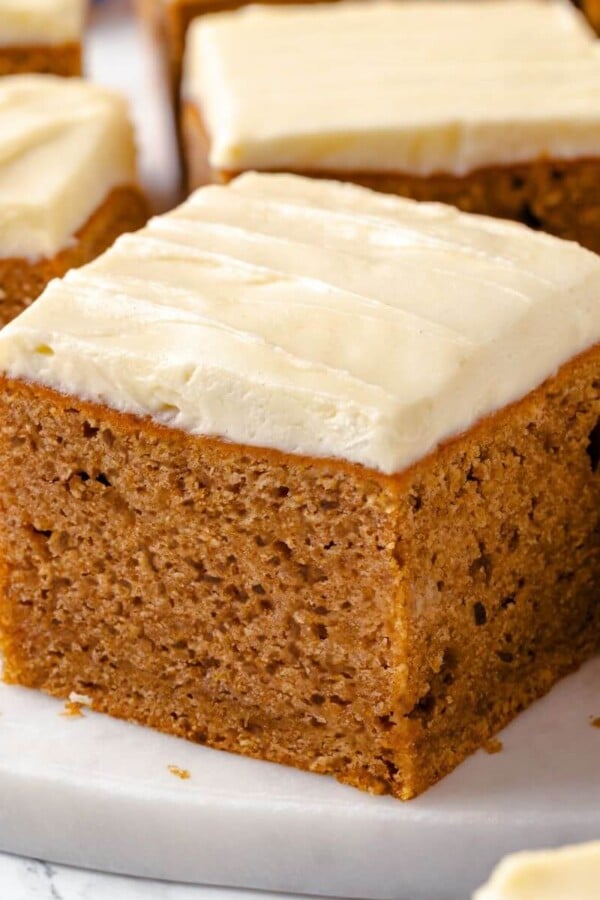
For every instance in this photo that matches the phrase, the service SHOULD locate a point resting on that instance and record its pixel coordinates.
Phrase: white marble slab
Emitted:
(98, 793)
(30, 879)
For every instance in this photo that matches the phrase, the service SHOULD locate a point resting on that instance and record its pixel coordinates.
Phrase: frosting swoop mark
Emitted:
(313, 317)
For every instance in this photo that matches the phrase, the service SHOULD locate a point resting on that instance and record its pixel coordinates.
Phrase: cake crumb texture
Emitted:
(311, 612)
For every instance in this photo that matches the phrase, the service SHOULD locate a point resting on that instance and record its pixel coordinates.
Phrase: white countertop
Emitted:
(96, 792)
(32, 879)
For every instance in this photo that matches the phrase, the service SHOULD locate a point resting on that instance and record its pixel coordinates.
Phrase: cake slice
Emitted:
(68, 182)
(490, 106)
(41, 36)
(569, 873)
(308, 473)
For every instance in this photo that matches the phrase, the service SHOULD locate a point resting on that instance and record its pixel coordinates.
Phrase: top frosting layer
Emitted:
(313, 317)
(421, 86)
(64, 144)
(570, 873)
(41, 21)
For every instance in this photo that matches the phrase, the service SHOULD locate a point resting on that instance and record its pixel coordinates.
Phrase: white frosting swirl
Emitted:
(313, 317)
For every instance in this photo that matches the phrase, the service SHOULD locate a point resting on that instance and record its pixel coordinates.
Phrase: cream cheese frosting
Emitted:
(64, 145)
(419, 87)
(570, 873)
(313, 317)
(41, 21)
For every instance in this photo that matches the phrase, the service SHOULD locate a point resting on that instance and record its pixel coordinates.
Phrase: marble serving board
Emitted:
(94, 792)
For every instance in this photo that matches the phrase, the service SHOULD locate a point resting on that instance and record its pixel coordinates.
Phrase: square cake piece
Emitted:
(41, 36)
(309, 473)
(68, 182)
(490, 106)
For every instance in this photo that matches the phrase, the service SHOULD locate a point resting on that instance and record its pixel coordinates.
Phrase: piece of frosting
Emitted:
(419, 87)
(64, 145)
(41, 21)
(314, 317)
(570, 873)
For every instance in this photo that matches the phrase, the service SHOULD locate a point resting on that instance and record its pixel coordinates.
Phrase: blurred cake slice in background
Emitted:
(490, 106)
(169, 21)
(569, 873)
(68, 181)
(308, 473)
(41, 36)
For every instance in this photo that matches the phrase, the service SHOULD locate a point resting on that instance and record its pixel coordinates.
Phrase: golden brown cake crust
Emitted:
(558, 196)
(21, 281)
(47, 59)
(307, 611)
(592, 10)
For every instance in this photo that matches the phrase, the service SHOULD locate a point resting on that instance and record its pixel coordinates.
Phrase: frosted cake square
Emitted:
(42, 36)
(309, 473)
(68, 181)
(490, 106)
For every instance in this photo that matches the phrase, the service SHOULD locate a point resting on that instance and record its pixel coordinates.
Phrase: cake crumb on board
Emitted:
(72, 710)
(493, 746)
(179, 773)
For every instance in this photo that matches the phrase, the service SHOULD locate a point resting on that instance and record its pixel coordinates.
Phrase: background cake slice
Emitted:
(68, 182)
(490, 106)
(562, 874)
(309, 473)
(42, 36)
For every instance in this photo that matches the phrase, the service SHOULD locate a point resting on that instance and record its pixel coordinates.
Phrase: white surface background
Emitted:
(96, 792)
(93, 791)
(121, 55)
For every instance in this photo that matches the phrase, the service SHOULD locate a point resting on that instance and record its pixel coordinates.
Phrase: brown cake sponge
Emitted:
(307, 611)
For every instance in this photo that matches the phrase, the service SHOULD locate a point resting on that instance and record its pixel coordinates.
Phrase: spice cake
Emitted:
(41, 36)
(68, 184)
(309, 473)
(569, 873)
(490, 106)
